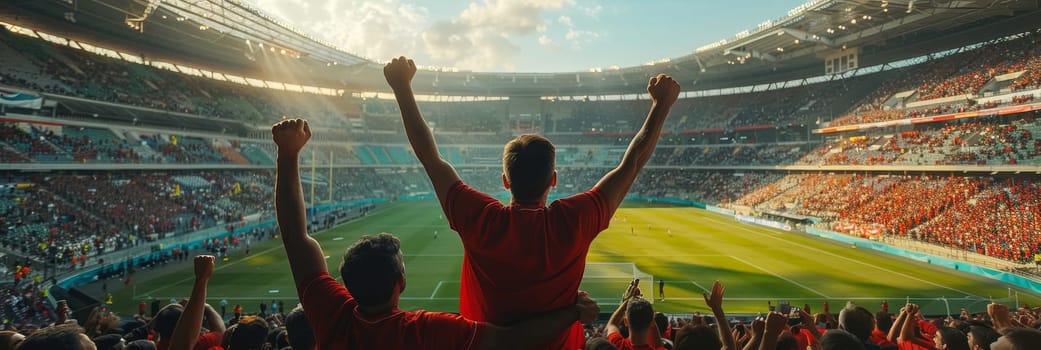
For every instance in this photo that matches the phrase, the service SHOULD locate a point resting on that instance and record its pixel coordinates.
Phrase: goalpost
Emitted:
(606, 282)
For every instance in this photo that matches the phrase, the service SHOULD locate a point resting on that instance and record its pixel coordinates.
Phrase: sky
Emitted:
(525, 35)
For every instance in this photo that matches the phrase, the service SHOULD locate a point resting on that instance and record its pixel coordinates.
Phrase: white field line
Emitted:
(699, 286)
(781, 277)
(439, 283)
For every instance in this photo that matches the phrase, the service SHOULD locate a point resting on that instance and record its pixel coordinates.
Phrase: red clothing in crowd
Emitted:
(880, 338)
(204, 342)
(624, 343)
(804, 338)
(338, 324)
(523, 259)
(906, 345)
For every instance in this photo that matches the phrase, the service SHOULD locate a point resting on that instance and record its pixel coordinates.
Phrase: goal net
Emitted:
(606, 282)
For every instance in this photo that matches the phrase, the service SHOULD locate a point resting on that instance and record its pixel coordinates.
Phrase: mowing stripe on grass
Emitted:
(741, 227)
(781, 277)
(260, 253)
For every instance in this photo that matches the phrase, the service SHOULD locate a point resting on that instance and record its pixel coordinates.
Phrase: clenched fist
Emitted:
(203, 267)
(291, 135)
(663, 89)
(399, 72)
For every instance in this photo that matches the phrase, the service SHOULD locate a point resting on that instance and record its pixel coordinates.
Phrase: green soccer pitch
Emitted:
(755, 264)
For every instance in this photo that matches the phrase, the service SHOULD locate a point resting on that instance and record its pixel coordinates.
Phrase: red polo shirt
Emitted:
(625, 344)
(338, 324)
(522, 260)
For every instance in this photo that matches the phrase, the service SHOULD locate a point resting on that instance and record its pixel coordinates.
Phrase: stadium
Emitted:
(874, 152)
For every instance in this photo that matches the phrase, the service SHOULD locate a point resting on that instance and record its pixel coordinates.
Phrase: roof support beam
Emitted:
(804, 36)
(750, 54)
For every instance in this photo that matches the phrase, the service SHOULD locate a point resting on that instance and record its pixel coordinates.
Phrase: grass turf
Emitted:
(756, 264)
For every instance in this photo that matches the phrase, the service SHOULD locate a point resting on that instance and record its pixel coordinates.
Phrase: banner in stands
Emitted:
(933, 119)
(20, 100)
(763, 222)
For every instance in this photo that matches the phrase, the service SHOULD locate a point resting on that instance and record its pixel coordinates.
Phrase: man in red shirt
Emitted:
(184, 333)
(363, 312)
(636, 313)
(526, 257)
(166, 320)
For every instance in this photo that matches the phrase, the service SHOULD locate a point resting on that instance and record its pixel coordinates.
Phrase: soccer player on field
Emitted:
(363, 313)
(526, 257)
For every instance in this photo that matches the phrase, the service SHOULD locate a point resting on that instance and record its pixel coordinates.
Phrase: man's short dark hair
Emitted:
(140, 344)
(661, 321)
(640, 313)
(371, 268)
(165, 321)
(698, 337)
(1022, 338)
(883, 321)
(109, 342)
(301, 335)
(528, 163)
(250, 333)
(837, 339)
(953, 338)
(63, 336)
(857, 320)
(983, 336)
(599, 343)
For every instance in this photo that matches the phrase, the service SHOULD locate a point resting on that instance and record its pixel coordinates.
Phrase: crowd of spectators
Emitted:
(964, 73)
(31, 324)
(1001, 221)
(990, 141)
(68, 219)
(66, 71)
(975, 214)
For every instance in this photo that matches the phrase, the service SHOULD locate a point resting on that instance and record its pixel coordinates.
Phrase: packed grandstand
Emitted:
(106, 158)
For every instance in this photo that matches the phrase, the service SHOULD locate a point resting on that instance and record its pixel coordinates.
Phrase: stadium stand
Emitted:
(716, 150)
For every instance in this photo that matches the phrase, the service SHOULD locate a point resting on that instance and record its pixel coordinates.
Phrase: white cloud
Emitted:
(483, 36)
(575, 36)
(374, 29)
(591, 11)
(546, 41)
(565, 20)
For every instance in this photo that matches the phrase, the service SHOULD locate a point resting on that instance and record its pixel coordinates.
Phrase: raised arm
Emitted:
(1000, 316)
(664, 91)
(898, 324)
(775, 323)
(214, 322)
(614, 324)
(715, 302)
(540, 329)
(908, 331)
(186, 333)
(399, 73)
(305, 255)
(757, 328)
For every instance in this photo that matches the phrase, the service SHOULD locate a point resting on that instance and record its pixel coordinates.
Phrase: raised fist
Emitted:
(775, 322)
(663, 89)
(203, 266)
(291, 135)
(399, 72)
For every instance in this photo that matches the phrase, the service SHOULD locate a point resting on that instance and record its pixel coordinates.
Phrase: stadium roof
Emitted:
(232, 37)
